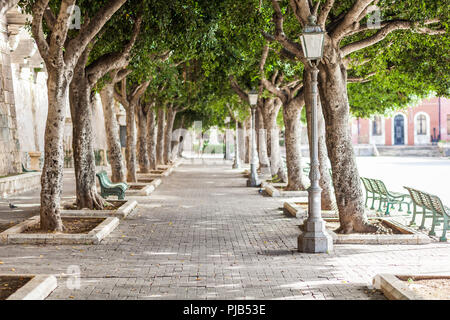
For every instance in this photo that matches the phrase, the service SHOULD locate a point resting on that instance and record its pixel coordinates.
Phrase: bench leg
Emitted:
(121, 196)
(422, 225)
(373, 202)
(387, 209)
(432, 232)
(413, 220)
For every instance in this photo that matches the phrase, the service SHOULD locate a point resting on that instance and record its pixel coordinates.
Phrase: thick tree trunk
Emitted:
(52, 172)
(327, 199)
(82, 143)
(291, 115)
(346, 181)
(171, 114)
(142, 150)
(112, 134)
(160, 138)
(151, 138)
(130, 151)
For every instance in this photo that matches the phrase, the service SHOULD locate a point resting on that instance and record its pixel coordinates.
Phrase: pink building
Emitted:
(418, 125)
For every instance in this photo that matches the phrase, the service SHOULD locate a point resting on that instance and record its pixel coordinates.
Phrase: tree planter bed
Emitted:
(404, 234)
(300, 208)
(155, 173)
(143, 188)
(26, 287)
(122, 209)
(27, 233)
(275, 190)
(413, 287)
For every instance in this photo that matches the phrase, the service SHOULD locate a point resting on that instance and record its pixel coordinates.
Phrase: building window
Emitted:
(376, 126)
(421, 125)
(448, 124)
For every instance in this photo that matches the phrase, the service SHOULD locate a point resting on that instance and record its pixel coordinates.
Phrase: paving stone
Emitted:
(195, 240)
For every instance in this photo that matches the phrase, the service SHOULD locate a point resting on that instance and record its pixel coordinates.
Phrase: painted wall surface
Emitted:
(428, 109)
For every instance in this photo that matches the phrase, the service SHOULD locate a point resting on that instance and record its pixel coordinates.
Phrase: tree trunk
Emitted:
(262, 142)
(151, 138)
(160, 138)
(82, 142)
(176, 148)
(327, 199)
(144, 162)
(346, 181)
(291, 115)
(271, 109)
(248, 143)
(112, 134)
(171, 114)
(52, 172)
(130, 151)
(242, 135)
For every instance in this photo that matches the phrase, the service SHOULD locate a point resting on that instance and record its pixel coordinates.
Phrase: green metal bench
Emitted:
(27, 170)
(439, 213)
(371, 193)
(111, 189)
(389, 198)
(418, 200)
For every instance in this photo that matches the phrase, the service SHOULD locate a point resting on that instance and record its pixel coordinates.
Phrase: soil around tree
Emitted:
(6, 226)
(110, 205)
(134, 187)
(430, 289)
(72, 226)
(382, 227)
(10, 284)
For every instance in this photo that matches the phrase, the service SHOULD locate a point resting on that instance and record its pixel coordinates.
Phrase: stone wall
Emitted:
(10, 162)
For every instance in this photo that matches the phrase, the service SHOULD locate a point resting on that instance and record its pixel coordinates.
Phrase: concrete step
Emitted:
(409, 151)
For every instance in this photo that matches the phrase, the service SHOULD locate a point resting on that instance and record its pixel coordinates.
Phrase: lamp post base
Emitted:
(253, 183)
(315, 239)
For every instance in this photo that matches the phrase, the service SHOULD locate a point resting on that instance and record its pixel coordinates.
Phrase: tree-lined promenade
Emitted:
(172, 63)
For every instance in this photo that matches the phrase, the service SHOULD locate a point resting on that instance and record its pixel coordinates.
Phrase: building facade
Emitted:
(23, 97)
(419, 125)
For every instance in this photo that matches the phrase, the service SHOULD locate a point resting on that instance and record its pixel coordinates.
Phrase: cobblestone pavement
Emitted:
(204, 235)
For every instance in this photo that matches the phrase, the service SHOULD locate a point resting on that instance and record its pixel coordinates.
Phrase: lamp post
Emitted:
(253, 181)
(237, 161)
(315, 238)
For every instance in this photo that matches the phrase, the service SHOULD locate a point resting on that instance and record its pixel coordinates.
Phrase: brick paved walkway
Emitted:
(204, 235)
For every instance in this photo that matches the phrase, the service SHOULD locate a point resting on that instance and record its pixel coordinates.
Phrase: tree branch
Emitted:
(139, 91)
(39, 8)
(90, 29)
(301, 10)
(349, 19)
(387, 28)
(279, 33)
(324, 12)
(235, 86)
(117, 60)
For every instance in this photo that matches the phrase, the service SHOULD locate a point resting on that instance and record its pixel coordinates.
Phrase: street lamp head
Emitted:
(312, 39)
(253, 97)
